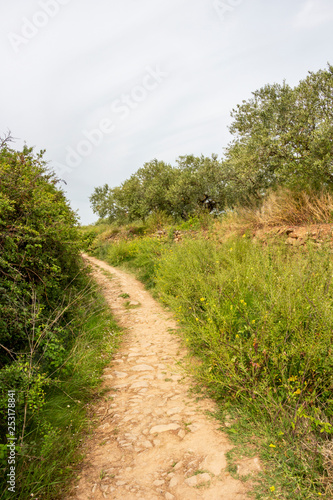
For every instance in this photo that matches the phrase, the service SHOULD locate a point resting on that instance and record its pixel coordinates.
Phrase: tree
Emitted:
(283, 136)
(199, 185)
(143, 193)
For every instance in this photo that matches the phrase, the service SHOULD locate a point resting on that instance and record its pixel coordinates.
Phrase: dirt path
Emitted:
(153, 440)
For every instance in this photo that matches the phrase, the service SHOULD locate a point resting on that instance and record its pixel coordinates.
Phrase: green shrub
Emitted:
(39, 245)
(46, 301)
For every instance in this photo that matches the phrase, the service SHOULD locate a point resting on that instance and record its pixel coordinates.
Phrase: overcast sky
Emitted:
(107, 85)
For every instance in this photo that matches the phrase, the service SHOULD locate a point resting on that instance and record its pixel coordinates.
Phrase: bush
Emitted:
(45, 301)
(39, 250)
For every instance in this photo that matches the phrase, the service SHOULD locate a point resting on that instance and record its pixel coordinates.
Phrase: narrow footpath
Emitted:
(154, 439)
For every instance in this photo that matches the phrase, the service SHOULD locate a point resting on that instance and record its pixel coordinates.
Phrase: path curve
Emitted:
(153, 439)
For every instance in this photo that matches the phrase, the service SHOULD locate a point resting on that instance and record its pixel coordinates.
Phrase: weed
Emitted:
(130, 305)
(199, 471)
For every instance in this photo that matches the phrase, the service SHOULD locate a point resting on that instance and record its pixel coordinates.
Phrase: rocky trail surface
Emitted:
(153, 439)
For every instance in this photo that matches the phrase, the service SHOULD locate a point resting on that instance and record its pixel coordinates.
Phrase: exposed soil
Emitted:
(154, 439)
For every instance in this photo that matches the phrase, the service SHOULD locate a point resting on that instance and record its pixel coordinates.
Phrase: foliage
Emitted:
(198, 186)
(282, 136)
(39, 246)
(194, 185)
(143, 192)
(46, 304)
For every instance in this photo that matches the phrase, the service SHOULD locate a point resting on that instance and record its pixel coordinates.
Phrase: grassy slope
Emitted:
(260, 319)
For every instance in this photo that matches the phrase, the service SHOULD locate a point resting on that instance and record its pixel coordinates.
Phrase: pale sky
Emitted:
(106, 86)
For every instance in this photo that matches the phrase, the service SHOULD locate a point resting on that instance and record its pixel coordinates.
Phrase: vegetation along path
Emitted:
(153, 439)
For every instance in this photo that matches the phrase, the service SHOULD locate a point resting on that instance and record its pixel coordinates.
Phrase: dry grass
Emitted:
(327, 453)
(284, 207)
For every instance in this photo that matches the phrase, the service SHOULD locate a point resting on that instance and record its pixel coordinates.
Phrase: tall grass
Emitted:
(260, 319)
(139, 255)
(49, 457)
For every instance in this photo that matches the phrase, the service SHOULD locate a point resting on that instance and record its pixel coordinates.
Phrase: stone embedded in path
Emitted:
(178, 466)
(164, 428)
(137, 385)
(175, 410)
(198, 479)
(158, 482)
(142, 368)
(121, 374)
(147, 444)
(174, 482)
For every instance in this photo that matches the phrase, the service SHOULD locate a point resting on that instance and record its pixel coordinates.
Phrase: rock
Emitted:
(191, 481)
(203, 478)
(142, 368)
(147, 444)
(164, 428)
(158, 482)
(173, 482)
(181, 434)
(178, 466)
(193, 427)
(121, 374)
(249, 466)
(168, 496)
(138, 385)
(198, 479)
(172, 411)
(214, 463)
